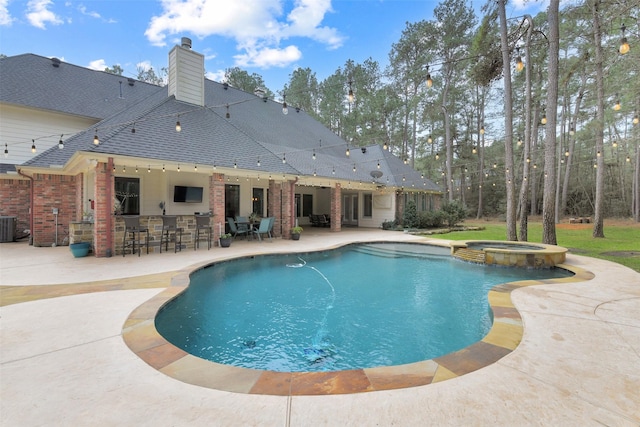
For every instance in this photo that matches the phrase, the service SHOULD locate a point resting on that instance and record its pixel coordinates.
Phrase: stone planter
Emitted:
(225, 243)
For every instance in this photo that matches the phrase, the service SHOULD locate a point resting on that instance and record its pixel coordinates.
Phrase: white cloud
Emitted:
(39, 15)
(216, 76)
(83, 10)
(144, 66)
(5, 17)
(268, 57)
(258, 26)
(98, 65)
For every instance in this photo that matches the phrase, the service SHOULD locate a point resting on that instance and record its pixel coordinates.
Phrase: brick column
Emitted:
(274, 207)
(216, 203)
(103, 223)
(336, 207)
(399, 206)
(79, 197)
(288, 208)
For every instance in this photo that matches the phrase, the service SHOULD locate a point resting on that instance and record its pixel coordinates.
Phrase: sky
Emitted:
(267, 37)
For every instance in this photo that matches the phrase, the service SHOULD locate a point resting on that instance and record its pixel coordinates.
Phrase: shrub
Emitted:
(431, 219)
(389, 225)
(410, 215)
(453, 213)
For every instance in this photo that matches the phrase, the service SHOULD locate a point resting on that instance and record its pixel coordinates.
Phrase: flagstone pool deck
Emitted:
(64, 360)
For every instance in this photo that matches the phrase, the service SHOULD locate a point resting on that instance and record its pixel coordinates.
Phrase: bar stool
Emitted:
(203, 230)
(132, 231)
(169, 228)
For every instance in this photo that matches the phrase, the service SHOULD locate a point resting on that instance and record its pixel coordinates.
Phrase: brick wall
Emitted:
(16, 201)
(288, 203)
(49, 192)
(274, 206)
(336, 207)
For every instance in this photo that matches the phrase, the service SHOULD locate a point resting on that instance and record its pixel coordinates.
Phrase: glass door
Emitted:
(350, 210)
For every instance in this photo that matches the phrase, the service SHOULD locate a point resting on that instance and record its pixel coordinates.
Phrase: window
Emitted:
(231, 200)
(368, 205)
(127, 196)
(257, 202)
(304, 205)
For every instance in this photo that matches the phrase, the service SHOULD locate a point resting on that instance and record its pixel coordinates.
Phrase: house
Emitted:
(107, 145)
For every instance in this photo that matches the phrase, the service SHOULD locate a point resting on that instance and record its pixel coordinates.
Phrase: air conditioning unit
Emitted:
(7, 228)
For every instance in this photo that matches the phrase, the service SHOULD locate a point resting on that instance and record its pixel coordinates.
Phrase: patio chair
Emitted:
(265, 223)
(203, 230)
(242, 224)
(132, 232)
(171, 231)
(234, 230)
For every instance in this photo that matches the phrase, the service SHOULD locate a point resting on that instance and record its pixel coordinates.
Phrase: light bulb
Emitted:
(429, 81)
(543, 120)
(33, 145)
(178, 126)
(519, 64)
(96, 140)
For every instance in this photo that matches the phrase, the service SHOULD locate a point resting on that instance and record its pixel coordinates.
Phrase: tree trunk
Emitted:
(571, 145)
(481, 152)
(508, 125)
(598, 219)
(524, 185)
(548, 201)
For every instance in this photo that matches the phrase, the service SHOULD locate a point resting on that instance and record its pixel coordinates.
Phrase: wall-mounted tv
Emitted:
(182, 194)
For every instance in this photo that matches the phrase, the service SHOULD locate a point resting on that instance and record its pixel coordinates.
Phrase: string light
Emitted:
(258, 162)
(519, 141)
(124, 169)
(149, 169)
(314, 154)
(617, 105)
(351, 96)
(543, 120)
(61, 143)
(430, 139)
(136, 168)
(162, 168)
(348, 152)
(624, 43)
(178, 168)
(228, 115)
(437, 156)
(284, 158)
(33, 145)
(519, 63)
(572, 130)
(354, 167)
(96, 140)
(385, 146)
(378, 166)
(429, 80)
(6, 150)
(474, 150)
(178, 125)
(285, 109)
(615, 144)
(482, 130)
(235, 164)
(195, 168)
(636, 119)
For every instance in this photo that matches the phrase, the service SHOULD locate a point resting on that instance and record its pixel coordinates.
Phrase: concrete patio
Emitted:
(64, 361)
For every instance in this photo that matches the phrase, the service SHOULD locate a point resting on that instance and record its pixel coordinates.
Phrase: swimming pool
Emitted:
(358, 306)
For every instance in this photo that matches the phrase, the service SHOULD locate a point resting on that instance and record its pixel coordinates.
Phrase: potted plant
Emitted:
(225, 240)
(295, 232)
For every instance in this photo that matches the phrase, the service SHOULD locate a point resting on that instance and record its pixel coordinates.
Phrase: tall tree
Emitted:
(242, 80)
(598, 219)
(508, 125)
(116, 69)
(548, 202)
(455, 19)
(302, 90)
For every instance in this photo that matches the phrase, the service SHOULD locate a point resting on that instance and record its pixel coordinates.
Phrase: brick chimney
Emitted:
(186, 74)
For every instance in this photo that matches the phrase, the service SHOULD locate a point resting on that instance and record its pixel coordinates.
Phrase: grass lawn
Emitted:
(620, 236)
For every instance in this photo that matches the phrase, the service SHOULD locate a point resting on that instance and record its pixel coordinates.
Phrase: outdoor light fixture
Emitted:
(636, 119)
(495, 165)
(314, 154)
(572, 131)
(6, 150)
(348, 152)
(285, 110)
(429, 81)
(624, 44)
(228, 115)
(61, 143)
(543, 120)
(351, 96)
(566, 153)
(149, 169)
(136, 168)
(96, 140)
(235, 164)
(519, 63)
(33, 145)
(163, 170)
(354, 167)
(617, 105)
(406, 160)
(178, 168)
(628, 158)
(482, 130)
(437, 156)
(124, 169)
(474, 150)
(519, 141)
(615, 144)
(385, 146)
(429, 139)
(284, 158)
(258, 163)
(378, 164)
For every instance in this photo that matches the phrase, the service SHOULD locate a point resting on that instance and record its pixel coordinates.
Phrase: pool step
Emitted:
(471, 255)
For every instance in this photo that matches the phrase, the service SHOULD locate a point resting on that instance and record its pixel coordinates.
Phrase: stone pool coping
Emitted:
(140, 335)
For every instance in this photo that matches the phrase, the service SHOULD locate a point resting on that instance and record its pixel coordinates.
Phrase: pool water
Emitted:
(355, 307)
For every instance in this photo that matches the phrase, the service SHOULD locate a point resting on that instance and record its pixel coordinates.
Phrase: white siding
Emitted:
(186, 75)
(20, 125)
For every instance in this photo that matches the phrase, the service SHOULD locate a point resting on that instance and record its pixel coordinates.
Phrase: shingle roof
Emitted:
(32, 80)
(256, 130)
